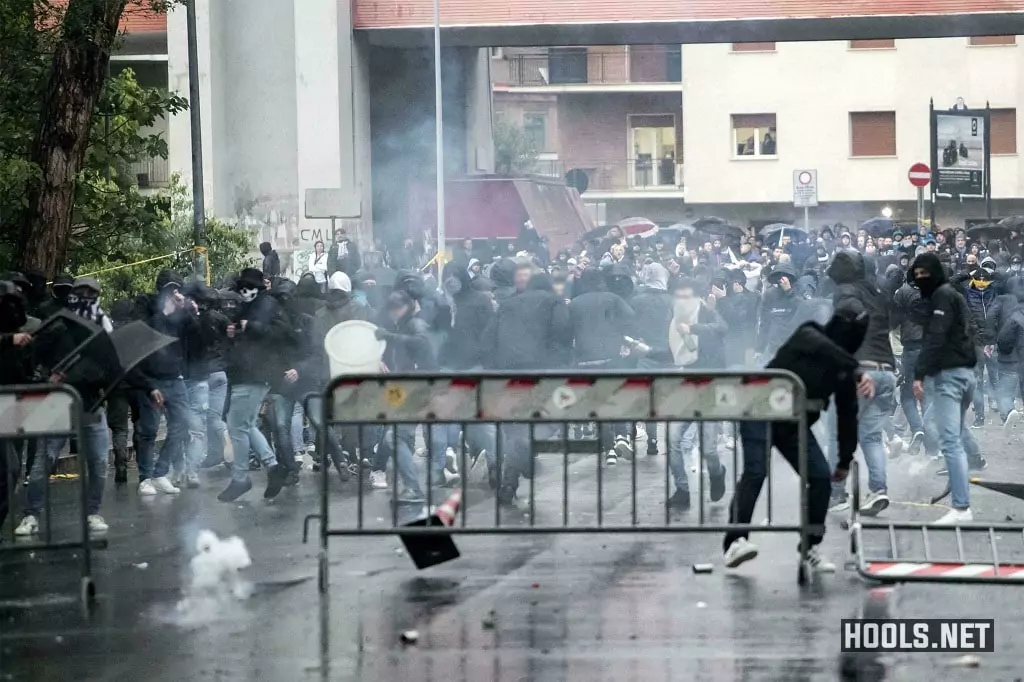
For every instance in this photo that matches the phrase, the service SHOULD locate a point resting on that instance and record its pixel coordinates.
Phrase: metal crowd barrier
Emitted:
(553, 401)
(45, 411)
(932, 564)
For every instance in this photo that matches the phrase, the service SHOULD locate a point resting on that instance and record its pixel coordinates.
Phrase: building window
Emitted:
(535, 129)
(753, 47)
(653, 137)
(754, 135)
(992, 40)
(567, 65)
(873, 133)
(497, 53)
(872, 44)
(1003, 131)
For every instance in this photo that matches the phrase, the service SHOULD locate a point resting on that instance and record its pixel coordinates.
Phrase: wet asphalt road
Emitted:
(515, 607)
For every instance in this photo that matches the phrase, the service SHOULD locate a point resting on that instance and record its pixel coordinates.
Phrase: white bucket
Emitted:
(353, 348)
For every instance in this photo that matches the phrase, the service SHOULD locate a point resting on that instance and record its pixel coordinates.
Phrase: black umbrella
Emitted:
(717, 226)
(1014, 222)
(989, 231)
(772, 234)
(879, 227)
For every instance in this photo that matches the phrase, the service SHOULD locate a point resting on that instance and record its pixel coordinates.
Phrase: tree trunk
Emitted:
(88, 31)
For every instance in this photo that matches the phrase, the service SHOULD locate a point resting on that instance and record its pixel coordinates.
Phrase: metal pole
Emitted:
(807, 221)
(439, 134)
(199, 260)
(920, 208)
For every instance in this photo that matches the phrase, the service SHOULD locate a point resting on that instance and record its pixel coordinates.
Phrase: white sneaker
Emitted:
(162, 485)
(740, 551)
(874, 504)
(623, 448)
(1012, 420)
(896, 446)
(611, 459)
(817, 563)
(378, 480)
(840, 506)
(915, 443)
(97, 524)
(451, 460)
(146, 488)
(451, 480)
(300, 456)
(28, 526)
(954, 517)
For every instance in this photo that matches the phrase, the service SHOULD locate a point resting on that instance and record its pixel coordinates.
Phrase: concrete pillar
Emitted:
(179, 128)
(479, 140)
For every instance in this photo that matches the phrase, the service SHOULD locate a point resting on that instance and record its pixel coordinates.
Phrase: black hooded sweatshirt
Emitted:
(600, 319)
(472, 312)
(502, 274)
(530, 330)
(778, 310)
(857, 292)
(948, 336)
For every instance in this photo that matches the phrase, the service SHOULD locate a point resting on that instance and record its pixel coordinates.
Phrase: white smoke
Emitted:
(216, 583)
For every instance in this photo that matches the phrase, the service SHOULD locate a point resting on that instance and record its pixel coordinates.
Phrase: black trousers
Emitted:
(756, 451)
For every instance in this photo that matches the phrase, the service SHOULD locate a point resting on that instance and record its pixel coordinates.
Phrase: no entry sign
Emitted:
(920, 175)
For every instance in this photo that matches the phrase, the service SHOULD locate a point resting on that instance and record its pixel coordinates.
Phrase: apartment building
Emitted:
(744, 116)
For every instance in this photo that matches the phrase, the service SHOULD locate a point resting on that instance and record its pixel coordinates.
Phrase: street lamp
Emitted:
(439, 135)
(887, 212)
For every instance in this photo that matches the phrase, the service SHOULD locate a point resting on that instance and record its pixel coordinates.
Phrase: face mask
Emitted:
(927, 285)
(247, 294)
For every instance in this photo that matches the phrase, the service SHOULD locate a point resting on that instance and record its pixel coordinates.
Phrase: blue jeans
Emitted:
(953, 392)
(216, 429)
(919, 418)
(94, 447)
(176, 408)
(985, 365)
(401, 439)
(872, 415)
(243, 426)
(682, 436)
(825, 432)
(285, 408)
(478, 437)
(198, 406)
(1007, 388)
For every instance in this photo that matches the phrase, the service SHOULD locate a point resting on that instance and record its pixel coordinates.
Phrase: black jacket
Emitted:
(169, 362)
(856, 292)
(910, 313)
(739, 310)
(652, 318)
(408, 345)
(502, 274)
(271, 261)
(948, 335)
(1008, 327)
(255, 355)
(778, 310)
(826, 370)
(206, 345)
(530, 331)
(599, 319)
(471, 315)
(348, 263)
(710, 330)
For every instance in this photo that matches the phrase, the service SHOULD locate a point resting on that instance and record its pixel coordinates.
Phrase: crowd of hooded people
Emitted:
(941, 320)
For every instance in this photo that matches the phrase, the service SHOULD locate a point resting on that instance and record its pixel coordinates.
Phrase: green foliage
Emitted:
(110, 213)
(514, 153)
(229, 249)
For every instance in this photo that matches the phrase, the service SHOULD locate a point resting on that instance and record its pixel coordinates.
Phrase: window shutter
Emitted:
(753, 120)
(1004, 131)
(993, 40)
(753, 47)
(872, 44)
(873, 133)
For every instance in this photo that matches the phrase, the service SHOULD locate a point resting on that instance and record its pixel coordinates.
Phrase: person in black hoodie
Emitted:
(600, 322)
(308, 300)
(823, 357)
(858, 293)
(258, 327)
(472, 312)
(910, 313)
(945, 369)
(778, 310)
(739, 310)
(60, 290)
(271, 261)
(653, 308)
(166, 313)
(1009, 350)
(503, 275)
(15, 368)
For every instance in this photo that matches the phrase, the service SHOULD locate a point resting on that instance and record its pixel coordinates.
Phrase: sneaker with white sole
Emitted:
(162, 485)
(817, 562)
(451, 460)
(611, 459)
(837, 504)
(28, 526)
(146, 488)
(97, 524)
(1012, 420)
(874, 503)
(896, 446)
(378, 480)
(623, 448)
(954, 517)
(740, 551)
(915, 443)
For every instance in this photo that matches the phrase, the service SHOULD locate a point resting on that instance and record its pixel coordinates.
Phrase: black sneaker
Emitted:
(506, 494)
(717, 485)
(275, 481)
(652, 446)
(235, 490)
(680, 500)
(292, 477)
(978, 423)
(120, 474)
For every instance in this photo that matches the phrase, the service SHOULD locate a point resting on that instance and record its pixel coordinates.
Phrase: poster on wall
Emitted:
(960, 154)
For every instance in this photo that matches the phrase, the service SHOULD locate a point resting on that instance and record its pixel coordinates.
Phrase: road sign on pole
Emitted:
(805, 188)
(920, 175)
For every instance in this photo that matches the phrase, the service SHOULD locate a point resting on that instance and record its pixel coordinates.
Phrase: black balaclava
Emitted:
(12, 308)
(930, 263)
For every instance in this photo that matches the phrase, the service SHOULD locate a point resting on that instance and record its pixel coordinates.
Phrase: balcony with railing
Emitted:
(577, 68)
(151, 173)
(641, 175)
